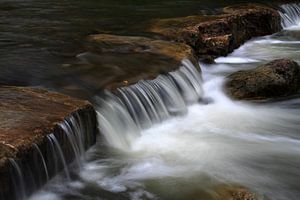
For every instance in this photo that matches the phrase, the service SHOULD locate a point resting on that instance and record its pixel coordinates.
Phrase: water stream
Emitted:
(168, 139)
(40, 39)
(175, 137)
(67, 143)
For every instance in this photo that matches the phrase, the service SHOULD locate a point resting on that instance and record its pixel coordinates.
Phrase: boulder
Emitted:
(113, 61)
(219, 35)
(278, 78)
(28, 116)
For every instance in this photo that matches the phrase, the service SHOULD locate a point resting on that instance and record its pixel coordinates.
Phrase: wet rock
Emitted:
(133, 44)
(275, 79)
(235, 193)
(28, 116)
(213, 36)
(113, 61)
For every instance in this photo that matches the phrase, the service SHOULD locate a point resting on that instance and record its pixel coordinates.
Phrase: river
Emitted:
(188, 155)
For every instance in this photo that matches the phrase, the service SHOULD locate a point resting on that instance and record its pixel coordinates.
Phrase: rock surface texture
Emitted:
(113, 61)
(235, 193)
(219, 35)
(27, 117)
(278, 78)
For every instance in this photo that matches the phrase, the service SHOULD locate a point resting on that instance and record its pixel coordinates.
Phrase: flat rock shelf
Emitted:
(40, 133)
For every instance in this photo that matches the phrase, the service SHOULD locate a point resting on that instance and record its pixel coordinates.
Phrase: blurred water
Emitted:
(221, 142)
(185, 157)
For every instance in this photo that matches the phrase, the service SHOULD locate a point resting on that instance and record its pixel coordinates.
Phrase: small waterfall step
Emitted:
(290, 15)
(40, 133)
(130, 109)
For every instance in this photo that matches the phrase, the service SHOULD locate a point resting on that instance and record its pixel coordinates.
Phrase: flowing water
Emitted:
(43, 161)
(123, 116)
(18, 180)
(180, 137)
(175, 137)
(40, 39)
(52, 157)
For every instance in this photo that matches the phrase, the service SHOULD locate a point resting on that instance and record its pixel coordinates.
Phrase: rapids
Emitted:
(168, 139)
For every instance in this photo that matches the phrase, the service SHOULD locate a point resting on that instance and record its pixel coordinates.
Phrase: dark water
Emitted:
(185, 157)
(40, 39)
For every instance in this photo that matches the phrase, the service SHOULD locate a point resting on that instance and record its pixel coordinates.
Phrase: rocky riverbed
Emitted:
(47, 130)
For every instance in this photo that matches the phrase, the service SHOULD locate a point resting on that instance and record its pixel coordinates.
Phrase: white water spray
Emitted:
(140, 106)
(224, 141)
(290, 15)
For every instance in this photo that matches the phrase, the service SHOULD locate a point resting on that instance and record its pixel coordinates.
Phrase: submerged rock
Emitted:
(275, 79)
(213, 36)
(113, 61)
(134, 44)
(235, 193)
(28, 116)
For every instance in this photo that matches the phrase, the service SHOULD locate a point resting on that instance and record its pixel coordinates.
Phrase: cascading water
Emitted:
(18, 180)
(189, 156)
(52, 156)
(290, 15)
(284, 44)
(76, 136)
(123, 115)
(43, 160)
(57, 151)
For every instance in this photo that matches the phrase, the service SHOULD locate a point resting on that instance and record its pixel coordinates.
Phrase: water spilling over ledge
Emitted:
(131, 109)
(290, 15)
(51, 131)
(200, 146)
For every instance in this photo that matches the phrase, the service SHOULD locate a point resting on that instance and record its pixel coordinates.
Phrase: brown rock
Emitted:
(213, 36)
(133, 44)
(235, 193)
(114, 61)
(27, 116)
(276, 79)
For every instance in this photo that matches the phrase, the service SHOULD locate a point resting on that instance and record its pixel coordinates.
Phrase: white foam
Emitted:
(232, 142)
(235, 60)
(274, 41)
(45, 196)
(290, 16)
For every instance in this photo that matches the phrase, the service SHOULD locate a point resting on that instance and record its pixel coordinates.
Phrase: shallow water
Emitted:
(40, 39)
(217, 142)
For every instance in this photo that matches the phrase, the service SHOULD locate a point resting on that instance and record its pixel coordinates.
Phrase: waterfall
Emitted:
(68, 142)
(131, 109)
(290, 15)
(18, 180)
(75, 134)
(58, 151)
(43, 160)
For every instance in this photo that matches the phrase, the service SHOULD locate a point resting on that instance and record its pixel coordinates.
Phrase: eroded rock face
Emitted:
(27, 117)
(213, 36)
(275, 79)
(114, 61)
